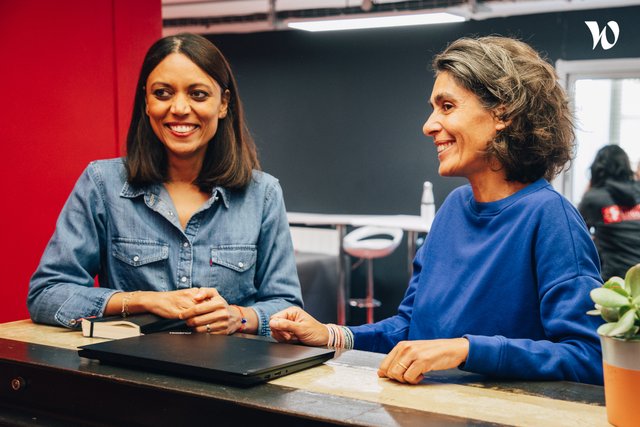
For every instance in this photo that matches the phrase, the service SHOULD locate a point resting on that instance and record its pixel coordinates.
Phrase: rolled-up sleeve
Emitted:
(276, 275)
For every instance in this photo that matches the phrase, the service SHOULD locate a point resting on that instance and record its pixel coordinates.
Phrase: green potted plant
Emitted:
(618, 302)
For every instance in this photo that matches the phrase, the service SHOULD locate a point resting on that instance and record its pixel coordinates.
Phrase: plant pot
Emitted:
(621, 363)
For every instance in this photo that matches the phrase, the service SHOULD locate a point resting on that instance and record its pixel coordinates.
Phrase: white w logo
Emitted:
(601, 36)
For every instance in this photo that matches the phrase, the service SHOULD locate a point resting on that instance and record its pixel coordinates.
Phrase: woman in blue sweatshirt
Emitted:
(501, 285)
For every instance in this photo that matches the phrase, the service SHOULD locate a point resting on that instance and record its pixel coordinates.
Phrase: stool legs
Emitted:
(344, 266)
(368, 302)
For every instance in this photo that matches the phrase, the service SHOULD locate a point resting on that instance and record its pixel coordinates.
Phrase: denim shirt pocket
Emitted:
(233, 269)
(142, 263)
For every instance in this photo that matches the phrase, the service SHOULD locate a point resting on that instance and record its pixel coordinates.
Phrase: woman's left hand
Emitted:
(408, 361)
(211, 313)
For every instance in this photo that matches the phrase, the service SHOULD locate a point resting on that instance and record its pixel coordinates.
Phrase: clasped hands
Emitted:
(407, 362)
(203, 309)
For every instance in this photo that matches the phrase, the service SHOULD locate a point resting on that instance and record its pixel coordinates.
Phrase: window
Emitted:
(602, 93)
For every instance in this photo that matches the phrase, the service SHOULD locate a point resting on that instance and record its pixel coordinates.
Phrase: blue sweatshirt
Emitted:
(513, 277)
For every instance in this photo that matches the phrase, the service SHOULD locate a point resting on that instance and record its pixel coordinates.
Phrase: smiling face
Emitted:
(184, 105)
(461, 129)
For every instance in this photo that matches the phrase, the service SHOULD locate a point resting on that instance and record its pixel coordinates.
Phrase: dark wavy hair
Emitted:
(520, 88)
(231, 154)
(611, 162)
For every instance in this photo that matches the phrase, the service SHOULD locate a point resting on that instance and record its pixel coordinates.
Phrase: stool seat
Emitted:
(367, 243)
(361, 243)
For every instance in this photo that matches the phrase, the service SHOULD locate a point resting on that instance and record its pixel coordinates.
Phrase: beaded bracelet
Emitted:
(339, 336)
(243, 320)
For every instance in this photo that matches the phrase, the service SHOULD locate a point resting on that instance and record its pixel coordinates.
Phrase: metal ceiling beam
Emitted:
(243, 16)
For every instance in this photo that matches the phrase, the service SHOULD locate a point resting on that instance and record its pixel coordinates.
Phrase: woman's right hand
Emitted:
(169, 304)
(296, 325)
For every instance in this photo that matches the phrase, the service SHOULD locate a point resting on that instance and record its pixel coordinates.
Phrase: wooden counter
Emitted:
(57, 387)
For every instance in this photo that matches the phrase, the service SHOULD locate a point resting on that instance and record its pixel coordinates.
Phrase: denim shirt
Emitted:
(238, 242)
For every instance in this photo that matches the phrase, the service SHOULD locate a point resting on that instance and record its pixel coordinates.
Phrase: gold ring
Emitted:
(403, 365)
(208, 328)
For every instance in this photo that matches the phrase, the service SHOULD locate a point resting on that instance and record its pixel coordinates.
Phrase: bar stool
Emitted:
(369, 243)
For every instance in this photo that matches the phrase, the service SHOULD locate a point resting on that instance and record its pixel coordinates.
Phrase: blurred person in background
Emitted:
(611, 209)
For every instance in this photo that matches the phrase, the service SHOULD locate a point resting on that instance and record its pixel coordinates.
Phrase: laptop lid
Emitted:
(221, 358)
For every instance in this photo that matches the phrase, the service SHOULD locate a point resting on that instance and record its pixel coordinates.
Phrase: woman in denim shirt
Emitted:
(185, 226)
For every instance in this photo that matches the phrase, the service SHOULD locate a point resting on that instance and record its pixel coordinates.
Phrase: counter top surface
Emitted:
(348, 384)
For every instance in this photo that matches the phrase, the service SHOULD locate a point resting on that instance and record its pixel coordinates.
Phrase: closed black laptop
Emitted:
(228, 359)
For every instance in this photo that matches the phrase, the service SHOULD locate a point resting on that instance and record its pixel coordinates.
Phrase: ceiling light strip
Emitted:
(376, 22)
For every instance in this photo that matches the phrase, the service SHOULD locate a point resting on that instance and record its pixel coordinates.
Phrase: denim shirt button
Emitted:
(73, 322)
(241, 264)
(136, 258)
(185, 245)
(183, 279)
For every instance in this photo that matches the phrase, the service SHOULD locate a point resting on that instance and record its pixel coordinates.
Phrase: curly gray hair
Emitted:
(520, 88)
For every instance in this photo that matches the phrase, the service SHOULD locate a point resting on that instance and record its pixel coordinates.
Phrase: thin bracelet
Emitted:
(334, 335)
(243, 320)
(331, 340)
(125, 303)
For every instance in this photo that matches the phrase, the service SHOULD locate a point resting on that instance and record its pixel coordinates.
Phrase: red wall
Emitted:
(67, 76)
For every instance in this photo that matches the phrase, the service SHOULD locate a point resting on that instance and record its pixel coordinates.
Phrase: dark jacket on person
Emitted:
(613, 213)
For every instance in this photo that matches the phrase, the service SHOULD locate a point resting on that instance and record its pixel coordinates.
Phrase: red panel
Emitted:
(137, 25)
(59, 89)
